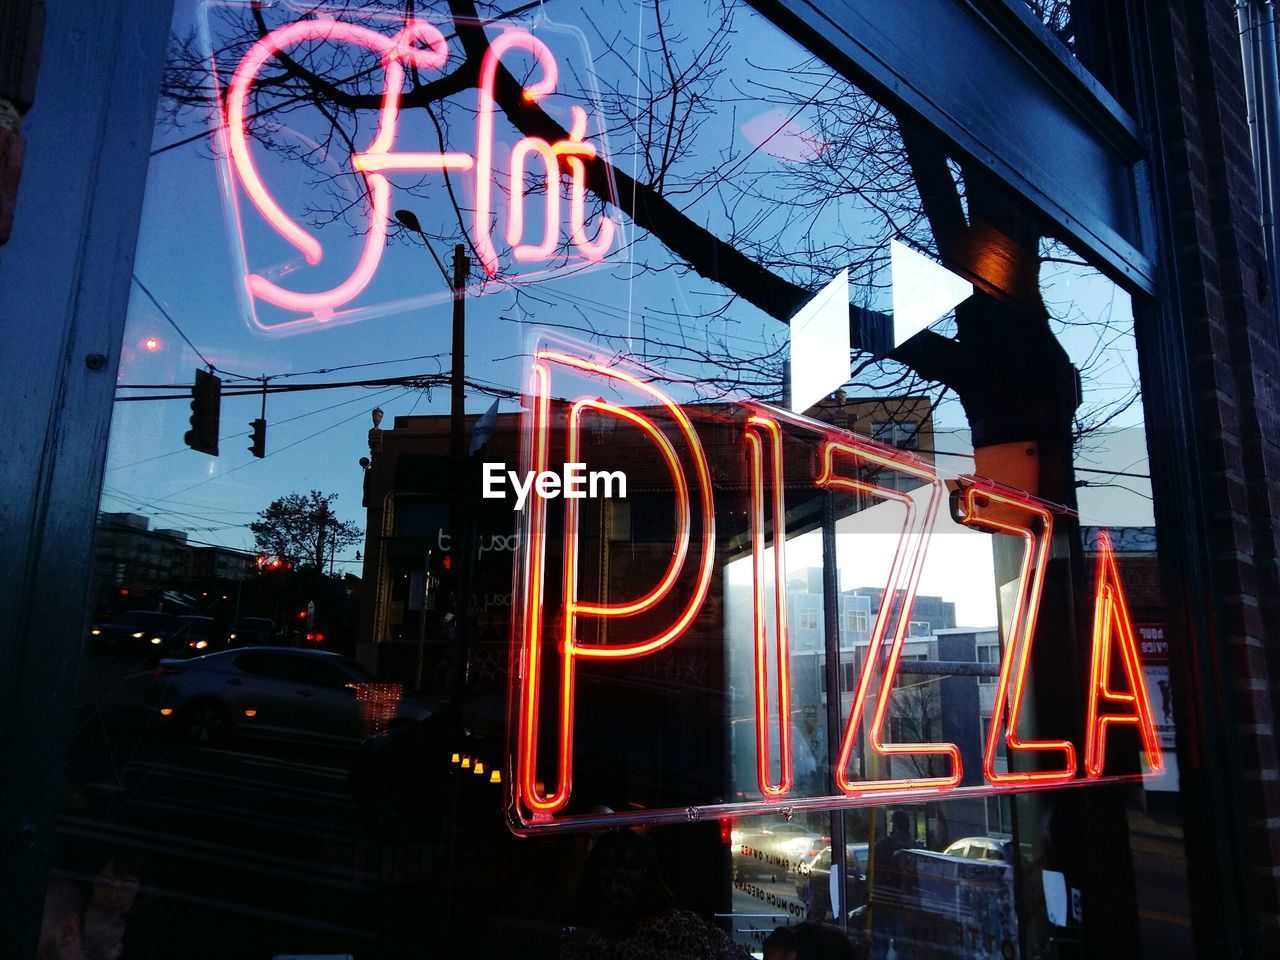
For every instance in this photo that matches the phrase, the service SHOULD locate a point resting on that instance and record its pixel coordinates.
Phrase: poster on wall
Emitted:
(1155, 670)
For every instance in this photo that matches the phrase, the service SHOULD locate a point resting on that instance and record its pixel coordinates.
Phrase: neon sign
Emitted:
(417, 46)
(547, 646)
(573, 609)
(904, 577)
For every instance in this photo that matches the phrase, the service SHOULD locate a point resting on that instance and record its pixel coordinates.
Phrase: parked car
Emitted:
(998, 848)
(253, 632)
(192, 636)
(306, 695)
(133, 631)
(813, 880)
(773, 849)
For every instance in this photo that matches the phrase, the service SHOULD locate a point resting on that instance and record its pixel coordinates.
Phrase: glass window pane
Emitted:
(771, 633)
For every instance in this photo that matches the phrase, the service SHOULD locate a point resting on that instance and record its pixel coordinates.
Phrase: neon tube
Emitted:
(395, 52)
(904, 575)
(758, 428)
(527, 786)
(1036, 532)
(1111, 610)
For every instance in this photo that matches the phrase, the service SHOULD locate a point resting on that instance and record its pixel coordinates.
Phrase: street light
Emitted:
(457, 282)
(409, 220)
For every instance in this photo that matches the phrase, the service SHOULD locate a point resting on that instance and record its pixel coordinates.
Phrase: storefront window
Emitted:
(862, 445)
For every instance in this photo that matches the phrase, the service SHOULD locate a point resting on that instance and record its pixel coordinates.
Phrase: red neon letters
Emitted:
(904, 577)
(421, 46)
(847, 465)
(1111, 613)
(758, 429)
(530, 792)
(987, 508)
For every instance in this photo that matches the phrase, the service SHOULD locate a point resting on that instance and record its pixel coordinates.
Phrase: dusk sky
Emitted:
(197, 225)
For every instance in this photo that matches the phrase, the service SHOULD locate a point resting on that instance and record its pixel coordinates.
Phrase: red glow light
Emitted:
(986, 508)
(1117, 692)
(1111, 621)
(904, 577)
(530, 649)
(757, 429)
(152, 344)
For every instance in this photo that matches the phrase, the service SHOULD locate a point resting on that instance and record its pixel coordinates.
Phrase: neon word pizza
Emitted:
(552, 616)
(419, 46)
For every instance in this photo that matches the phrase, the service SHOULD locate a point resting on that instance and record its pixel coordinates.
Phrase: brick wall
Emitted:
(1235, 347)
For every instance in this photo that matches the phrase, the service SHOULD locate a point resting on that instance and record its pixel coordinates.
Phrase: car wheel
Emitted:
(205, 723)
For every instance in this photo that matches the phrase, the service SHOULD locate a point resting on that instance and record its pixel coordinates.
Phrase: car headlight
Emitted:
(155, 640)
(138, 635)
(96, 632)
(200, 644)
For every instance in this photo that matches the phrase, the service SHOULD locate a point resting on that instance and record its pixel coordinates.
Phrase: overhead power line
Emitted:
(183, 391)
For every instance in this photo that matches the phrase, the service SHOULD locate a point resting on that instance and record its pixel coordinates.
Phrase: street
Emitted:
(249, 849)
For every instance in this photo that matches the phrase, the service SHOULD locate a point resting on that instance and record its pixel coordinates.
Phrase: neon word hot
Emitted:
(419, 46)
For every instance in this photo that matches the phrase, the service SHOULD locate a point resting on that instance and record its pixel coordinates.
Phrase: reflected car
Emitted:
(133, 631)
(998, 849)
(254, 632)
(192, 636)
(309, 696)
(813, 880)
(773, 849)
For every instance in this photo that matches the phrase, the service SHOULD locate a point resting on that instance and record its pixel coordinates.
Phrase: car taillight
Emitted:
(316, 637)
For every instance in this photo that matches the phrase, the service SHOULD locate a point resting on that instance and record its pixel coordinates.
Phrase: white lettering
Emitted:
(548, 484)
(607, 478)
(574, 481)
(493, 478)
(522, 492)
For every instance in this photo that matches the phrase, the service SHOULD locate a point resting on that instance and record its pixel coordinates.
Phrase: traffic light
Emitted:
(206, 401)
(258, 444)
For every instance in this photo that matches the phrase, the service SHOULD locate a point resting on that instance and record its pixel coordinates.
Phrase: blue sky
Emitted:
(189, 249)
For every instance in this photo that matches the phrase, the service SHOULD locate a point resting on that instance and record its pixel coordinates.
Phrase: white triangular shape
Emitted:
(923, 291)
(820, 344)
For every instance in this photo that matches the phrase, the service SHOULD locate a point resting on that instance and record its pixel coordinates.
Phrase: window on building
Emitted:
(903, 434)
(989, 656)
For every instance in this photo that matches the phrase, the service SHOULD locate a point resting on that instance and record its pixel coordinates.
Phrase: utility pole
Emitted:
(461, 269)
(456, 653)
(459, 541)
